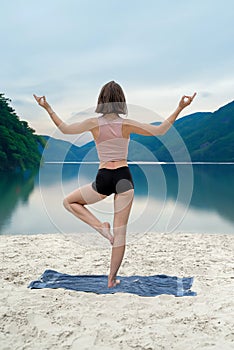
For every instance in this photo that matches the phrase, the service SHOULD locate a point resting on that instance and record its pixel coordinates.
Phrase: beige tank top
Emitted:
(111, 145)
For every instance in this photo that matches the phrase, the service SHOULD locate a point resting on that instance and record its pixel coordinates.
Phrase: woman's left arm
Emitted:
(75, 128)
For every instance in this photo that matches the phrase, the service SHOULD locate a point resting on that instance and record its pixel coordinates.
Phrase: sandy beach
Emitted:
(63, 319)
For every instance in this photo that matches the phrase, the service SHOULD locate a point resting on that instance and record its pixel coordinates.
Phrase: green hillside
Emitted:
(213, 137)
(205, 137)
(18, 144)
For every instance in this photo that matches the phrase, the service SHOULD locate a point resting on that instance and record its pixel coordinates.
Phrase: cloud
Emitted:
(205, 94)
(157, 50)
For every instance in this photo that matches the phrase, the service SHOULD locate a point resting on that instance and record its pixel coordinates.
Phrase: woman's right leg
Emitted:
(75, 203)
(122, 207)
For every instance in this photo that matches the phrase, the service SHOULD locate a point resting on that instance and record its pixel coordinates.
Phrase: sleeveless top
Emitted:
(110, 144)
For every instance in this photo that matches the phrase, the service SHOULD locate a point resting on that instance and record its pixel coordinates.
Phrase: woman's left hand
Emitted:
(186, 100)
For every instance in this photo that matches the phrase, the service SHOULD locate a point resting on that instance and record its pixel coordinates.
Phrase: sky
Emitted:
(157, 50)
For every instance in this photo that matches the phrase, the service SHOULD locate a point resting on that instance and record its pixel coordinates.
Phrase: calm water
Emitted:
(168, 198)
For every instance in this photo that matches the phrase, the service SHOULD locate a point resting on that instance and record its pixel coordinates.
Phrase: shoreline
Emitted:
(64, 319)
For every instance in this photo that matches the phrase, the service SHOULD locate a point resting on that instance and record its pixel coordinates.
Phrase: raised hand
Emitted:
(42, 101)
(186, 100)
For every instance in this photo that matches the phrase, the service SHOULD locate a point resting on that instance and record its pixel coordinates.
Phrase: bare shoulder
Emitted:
(128, 121)
(131, 123)
(91, 123)
(132, 126)
(128, 126)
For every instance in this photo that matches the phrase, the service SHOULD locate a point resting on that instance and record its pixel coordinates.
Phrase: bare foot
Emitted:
(112, 281)
(105, 232)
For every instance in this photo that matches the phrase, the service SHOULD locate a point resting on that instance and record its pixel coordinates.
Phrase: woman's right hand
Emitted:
(42, 102)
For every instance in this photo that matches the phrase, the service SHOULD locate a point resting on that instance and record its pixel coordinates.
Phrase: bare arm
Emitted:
(75, 128)
(135, 127)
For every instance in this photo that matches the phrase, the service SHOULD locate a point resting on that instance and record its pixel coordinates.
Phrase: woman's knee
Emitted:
(69, 205)
(120, 227)
(119, 237)
(66, 204)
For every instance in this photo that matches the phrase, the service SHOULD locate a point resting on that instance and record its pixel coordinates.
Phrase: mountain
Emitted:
(57, 150)
(204, 136)
(211, 138)
(201, 136)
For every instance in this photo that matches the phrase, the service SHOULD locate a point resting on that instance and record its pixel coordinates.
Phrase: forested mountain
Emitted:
(202, 136)
(209, 137)
(18, 143)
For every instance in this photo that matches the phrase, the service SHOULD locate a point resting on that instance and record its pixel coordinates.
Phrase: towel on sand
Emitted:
(147, 286)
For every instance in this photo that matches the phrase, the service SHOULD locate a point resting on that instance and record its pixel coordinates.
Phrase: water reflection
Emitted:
(15, 190)
(156, 193)
(213, 188)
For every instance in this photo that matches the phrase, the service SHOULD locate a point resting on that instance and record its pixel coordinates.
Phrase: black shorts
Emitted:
(110, 181)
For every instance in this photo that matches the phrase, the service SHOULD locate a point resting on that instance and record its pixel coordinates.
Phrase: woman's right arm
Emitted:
(135, 127)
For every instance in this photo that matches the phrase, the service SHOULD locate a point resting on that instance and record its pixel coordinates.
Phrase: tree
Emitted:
(19, 145)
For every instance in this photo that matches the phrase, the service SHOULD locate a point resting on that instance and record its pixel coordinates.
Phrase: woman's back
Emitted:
(110, 143)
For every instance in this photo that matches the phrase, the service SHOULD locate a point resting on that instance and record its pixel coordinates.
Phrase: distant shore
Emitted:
(62, 319)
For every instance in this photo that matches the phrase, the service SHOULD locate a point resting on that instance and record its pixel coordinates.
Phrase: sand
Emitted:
(62, 319)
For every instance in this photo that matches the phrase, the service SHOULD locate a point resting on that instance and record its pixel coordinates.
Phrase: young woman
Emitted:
(111, 135)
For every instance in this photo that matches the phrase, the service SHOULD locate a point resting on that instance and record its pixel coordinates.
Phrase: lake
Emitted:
(193, 198)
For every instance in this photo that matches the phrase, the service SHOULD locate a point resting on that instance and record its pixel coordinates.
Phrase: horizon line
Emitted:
(137, 162)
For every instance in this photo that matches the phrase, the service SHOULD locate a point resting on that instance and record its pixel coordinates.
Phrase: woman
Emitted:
(111, 135)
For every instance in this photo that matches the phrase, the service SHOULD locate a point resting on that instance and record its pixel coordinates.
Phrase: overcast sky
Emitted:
(157, 50)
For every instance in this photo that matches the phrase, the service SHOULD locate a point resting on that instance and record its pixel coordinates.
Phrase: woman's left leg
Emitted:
(122, 204)
(75, 203)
